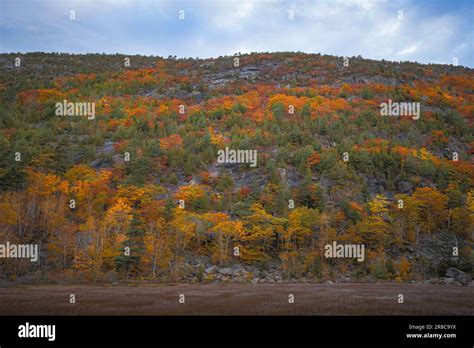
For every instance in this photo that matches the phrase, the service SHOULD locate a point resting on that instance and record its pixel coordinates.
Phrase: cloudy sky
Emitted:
(427, 31)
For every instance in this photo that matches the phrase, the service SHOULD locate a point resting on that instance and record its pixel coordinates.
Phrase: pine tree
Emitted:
(133, 247)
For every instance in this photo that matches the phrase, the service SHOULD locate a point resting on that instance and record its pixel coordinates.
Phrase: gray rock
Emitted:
(107, 148)
(226, 271)
(405, 187)
(448, 280)
(458, 275)
(196, 95)
(453, 272)
(100, 163)
(328, 282)
(434, 281)
(371, 79)
(211, 269)
(118, 159)
(465, 279)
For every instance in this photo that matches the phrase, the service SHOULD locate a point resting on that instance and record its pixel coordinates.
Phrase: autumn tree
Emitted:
(432, 205)
(375, 227)
(225, 233)
(257, 239)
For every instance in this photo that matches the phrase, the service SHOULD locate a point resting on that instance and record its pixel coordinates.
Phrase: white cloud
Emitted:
(407, 51)
(232, 15)
(212, 28)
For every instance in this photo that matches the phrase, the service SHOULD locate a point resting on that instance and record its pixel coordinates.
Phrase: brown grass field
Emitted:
(239, 299)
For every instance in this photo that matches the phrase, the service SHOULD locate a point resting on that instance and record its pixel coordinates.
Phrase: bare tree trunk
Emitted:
(65, 251)
(154, 260)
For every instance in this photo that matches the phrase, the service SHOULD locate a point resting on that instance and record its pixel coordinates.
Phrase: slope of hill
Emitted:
(115, 169)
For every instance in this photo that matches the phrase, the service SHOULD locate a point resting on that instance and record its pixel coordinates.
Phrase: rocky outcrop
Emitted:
(454, 276)
(458, 276)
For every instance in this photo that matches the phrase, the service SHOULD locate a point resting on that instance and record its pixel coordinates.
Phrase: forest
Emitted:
(137, 191)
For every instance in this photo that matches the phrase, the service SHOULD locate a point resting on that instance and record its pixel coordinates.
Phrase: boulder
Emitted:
(211, 269)
(106, 149)
(448, 280)
(405, 187)
(453, 272)
(434, 281)
(100, 163)
(226, 271)
(458, 275)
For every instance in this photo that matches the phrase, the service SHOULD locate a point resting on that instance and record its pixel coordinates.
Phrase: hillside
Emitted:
(131, 182)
